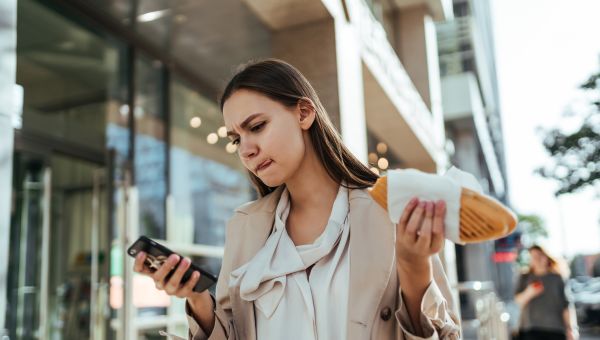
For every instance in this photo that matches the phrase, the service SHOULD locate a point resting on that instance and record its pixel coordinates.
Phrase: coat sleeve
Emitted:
(439, 313)
(224, 326)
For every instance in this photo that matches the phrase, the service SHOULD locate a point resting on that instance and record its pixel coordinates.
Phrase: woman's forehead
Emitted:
(243, 103)
(246, 100)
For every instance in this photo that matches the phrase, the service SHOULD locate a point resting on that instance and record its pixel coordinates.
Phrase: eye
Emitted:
(257, 127)
(235, 141)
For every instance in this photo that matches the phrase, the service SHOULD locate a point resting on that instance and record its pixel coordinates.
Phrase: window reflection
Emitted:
(150, 147)
(207, 183)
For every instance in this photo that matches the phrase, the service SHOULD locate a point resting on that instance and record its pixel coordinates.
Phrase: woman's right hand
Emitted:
(200, 303)
(533, 290)
(173, 286)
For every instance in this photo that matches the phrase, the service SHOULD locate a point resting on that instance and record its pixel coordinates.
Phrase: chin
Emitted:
(273, 179)
(272, 182)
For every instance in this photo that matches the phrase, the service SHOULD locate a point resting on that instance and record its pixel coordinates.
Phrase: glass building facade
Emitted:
(117, 140)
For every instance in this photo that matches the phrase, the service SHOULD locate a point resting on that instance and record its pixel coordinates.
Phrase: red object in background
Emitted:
(505, 256)
(537, 284)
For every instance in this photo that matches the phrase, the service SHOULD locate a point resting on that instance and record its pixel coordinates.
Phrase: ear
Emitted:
(306, 113)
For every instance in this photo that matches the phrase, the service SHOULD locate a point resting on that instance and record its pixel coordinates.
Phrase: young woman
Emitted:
(314, 257)
(545, 312)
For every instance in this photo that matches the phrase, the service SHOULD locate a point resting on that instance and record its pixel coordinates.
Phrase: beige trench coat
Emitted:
(375, 308)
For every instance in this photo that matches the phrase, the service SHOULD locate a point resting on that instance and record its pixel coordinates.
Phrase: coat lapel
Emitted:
(372, 239)
(257, 228)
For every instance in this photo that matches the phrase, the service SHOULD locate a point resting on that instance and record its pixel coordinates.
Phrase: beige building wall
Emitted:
(311, 48)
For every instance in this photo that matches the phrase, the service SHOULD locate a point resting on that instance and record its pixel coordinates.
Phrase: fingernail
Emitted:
(413, 201)
(422, 204)
(140, 254)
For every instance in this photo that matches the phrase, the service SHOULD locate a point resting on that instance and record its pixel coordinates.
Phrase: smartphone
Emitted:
(157, 254)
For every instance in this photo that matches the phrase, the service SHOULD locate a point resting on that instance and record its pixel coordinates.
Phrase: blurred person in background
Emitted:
(545, 310)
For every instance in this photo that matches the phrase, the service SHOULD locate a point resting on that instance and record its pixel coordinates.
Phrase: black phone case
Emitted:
(157, 254)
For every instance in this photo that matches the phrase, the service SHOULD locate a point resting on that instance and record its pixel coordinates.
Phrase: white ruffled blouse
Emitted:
(288, 303)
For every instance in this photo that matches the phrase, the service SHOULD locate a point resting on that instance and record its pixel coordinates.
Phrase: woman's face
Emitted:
(269, 135)
(538, 259)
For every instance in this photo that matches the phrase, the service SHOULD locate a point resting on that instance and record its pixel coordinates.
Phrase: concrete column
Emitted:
(466, 145)
(310, 47)
(8, 43)
(351, 90)
(416, 45)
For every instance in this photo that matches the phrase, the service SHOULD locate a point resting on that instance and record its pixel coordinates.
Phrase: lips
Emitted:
(263, 165)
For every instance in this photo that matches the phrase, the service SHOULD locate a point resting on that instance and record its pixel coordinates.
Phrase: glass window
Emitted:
(69, 76)
(150, 146)
(207, 180)
(121, 10)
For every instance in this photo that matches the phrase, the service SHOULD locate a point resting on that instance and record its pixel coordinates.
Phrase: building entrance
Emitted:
(58, 264)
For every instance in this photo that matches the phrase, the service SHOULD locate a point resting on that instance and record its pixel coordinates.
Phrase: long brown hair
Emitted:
(284, 84)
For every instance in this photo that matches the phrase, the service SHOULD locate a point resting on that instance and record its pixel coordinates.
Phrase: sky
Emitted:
(544, 50)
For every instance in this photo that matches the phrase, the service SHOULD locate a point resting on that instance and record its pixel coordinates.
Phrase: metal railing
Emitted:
(491, 317)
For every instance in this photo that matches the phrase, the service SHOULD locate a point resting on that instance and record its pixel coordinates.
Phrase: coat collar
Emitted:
(372, 238)
(266, 204)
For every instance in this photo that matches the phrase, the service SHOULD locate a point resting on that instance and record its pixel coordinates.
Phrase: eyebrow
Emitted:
(244, 123)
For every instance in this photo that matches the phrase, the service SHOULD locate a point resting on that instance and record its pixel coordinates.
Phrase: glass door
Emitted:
(58, 279)
(29, 222)
(77, 250)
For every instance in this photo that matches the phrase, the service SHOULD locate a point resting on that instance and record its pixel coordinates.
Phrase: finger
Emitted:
(164, 270)
(401, 226)
(439, 216)
(414, 223)
(424, 233)
(138, 265)
(187, 289)
(174, 282)
(408, 210)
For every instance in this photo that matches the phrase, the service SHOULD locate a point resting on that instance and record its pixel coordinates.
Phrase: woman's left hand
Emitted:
(420, 233)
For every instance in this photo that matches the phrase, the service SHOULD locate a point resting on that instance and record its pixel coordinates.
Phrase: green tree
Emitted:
(532, 229)
(576, 156)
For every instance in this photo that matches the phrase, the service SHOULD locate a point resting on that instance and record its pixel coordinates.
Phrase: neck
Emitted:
(539, 271)
(311, 187)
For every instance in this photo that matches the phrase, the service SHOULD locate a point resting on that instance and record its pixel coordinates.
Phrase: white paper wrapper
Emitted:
(405, 184)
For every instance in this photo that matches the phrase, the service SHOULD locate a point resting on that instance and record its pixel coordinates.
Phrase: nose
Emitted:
(247, 150)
